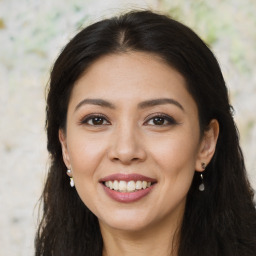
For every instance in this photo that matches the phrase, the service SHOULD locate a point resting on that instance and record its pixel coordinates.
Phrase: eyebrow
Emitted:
(141, 105)
(97, 102)
(161, 101)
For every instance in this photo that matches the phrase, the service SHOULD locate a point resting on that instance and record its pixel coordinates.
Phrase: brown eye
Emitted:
(95, 120)
(160, 120)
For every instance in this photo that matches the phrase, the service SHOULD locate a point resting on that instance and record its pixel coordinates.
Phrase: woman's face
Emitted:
(132, 141)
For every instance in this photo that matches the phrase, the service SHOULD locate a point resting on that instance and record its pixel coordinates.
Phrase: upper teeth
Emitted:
(129, 186)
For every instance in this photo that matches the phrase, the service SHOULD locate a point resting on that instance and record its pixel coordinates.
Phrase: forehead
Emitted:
(130, 77)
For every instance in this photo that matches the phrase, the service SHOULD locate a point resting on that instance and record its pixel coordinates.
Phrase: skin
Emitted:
(128, 139)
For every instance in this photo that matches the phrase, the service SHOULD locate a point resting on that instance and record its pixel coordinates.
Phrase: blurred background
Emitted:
(32, 33)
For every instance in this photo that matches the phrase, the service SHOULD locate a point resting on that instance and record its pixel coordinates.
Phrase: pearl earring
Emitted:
(202, 186)
(72, 183)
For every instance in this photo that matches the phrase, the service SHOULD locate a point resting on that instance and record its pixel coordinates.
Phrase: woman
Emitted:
(145, 157)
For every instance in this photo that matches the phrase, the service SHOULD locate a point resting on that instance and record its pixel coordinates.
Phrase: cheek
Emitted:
(179, 149)
(85, 158)
(176, 158)
(85, 154)
(177, 166)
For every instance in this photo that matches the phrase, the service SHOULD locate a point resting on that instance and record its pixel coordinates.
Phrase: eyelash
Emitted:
(86, 119)
(168, 120)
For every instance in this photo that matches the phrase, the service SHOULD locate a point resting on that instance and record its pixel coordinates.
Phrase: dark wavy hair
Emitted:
(219, 221)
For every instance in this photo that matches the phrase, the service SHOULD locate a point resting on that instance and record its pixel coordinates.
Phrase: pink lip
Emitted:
(127, 177)
(127, 197)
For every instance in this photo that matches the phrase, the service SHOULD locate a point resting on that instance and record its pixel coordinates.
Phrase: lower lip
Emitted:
(127, 197)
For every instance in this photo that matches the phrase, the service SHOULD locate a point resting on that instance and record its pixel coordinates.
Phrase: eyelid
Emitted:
(170, 119)
(84, 120)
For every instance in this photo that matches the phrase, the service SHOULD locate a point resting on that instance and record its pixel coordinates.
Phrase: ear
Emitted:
(207, 145)
(63, 142)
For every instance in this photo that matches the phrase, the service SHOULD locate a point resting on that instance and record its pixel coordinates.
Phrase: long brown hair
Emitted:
(219, 221)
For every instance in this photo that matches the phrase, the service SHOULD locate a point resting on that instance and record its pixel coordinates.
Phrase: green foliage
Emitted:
(220, 24)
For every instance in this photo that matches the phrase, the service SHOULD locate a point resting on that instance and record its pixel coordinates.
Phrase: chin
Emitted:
(128, 227)
(126, 221)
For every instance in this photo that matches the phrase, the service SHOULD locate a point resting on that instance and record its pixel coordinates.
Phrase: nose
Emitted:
(127, 146)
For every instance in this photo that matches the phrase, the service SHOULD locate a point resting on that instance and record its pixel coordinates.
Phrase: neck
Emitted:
(158, 240)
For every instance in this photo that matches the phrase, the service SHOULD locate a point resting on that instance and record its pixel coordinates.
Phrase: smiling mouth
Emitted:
(128, 186)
